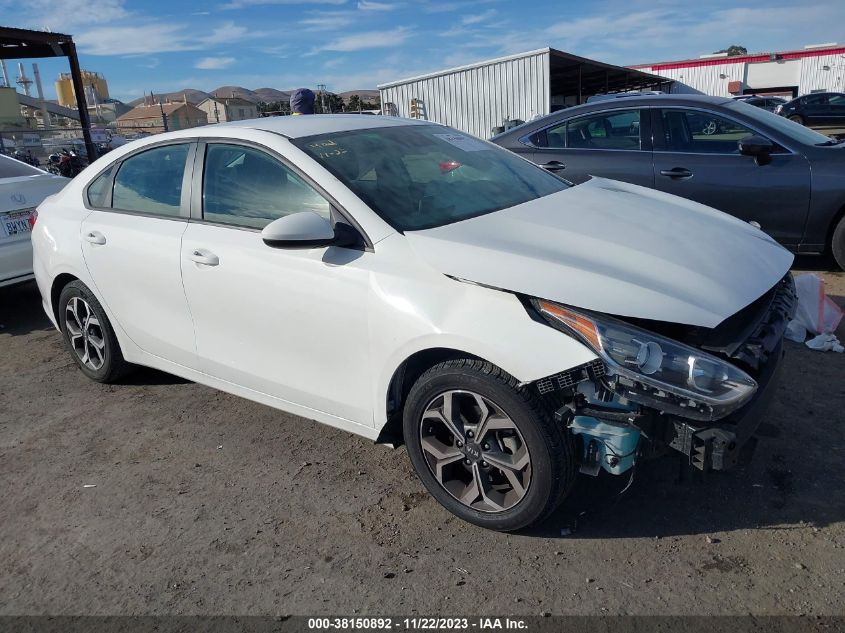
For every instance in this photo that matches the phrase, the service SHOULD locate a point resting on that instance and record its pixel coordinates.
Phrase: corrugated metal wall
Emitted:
(704, 79)
(815, 77)
(811, 77)
(478, 99)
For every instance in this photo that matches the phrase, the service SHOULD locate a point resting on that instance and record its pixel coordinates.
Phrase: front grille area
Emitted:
(571, 377)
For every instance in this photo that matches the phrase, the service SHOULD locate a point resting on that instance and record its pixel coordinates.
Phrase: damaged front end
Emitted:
(660, 386)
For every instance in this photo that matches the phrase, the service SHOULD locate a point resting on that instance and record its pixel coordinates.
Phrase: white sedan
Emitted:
(22, 187)
(404, 281)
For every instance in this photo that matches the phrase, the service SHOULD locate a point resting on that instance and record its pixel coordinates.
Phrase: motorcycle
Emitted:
(66, 163)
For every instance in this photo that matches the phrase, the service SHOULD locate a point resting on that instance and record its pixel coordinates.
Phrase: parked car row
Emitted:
(511, 325)
(410, 283)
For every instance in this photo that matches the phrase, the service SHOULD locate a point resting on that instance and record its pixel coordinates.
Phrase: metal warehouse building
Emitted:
(480, 97)
(787, 73)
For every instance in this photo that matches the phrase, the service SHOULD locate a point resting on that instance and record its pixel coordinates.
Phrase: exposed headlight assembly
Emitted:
(653, 370)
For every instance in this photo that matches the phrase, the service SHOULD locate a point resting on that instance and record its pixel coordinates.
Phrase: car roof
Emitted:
(635, 101)
(313, 124)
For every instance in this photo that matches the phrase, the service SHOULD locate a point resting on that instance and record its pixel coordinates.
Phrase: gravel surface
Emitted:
(160, 496)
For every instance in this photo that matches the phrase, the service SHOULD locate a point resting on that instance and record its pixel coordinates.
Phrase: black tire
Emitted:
(550, 447)
(797, 118)
(113, 365)
(837, 244)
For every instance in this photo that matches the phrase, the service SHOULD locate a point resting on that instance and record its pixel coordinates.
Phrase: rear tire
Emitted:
(837, 244)
(89, 336)
(487, 449)
(797, 118)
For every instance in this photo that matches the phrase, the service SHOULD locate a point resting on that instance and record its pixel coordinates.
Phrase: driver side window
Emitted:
(246, 187)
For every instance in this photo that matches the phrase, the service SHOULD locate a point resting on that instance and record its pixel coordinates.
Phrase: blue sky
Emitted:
(164, 45)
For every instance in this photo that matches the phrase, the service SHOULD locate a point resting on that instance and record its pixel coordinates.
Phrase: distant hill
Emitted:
(260, 94)
(364, 95)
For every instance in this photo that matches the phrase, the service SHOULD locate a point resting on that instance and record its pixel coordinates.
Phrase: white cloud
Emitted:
(366, 40)
(242, 4)
(225, 34)
(328, 21)
(367, 5)
(134, 40)
(214, 63)
(63, 17)
(478, 17)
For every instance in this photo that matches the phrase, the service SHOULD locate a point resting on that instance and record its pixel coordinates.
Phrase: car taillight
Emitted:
(33, 217)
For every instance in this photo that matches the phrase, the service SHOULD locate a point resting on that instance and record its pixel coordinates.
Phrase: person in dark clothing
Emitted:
(302, 101)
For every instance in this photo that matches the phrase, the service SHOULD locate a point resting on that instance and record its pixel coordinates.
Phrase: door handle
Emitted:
(678, 173)
(204, 257)
(553, 165)
(95, 237)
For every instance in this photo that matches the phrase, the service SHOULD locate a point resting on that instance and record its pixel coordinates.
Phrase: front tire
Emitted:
(487, 449)
(89, 336)
(797, 118)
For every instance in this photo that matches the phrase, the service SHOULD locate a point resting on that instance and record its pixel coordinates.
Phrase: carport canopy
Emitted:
(26, 44)
(576, 78)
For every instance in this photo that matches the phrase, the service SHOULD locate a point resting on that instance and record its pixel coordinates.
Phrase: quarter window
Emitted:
(606, 130)
(246, 187)
(151, 182)
(98, 191)
(697, 132)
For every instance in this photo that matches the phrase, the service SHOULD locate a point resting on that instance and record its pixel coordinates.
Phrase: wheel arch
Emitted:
(61, 280)
(403, 378)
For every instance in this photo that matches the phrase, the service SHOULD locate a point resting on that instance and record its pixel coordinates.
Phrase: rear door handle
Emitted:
(678, 173)
(204, 257)
(553, 165)
(95, 237)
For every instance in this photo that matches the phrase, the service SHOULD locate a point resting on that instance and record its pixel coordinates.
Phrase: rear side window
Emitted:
(247, 187)
(151, 182)
(606, 130)
(99, 190)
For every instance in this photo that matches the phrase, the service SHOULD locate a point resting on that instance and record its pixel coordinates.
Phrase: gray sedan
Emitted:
(723, 153)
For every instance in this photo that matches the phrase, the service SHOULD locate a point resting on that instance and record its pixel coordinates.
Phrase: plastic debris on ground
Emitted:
(816, 314)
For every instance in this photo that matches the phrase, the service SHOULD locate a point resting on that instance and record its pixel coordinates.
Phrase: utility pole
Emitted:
(322, 89)
(161, 109)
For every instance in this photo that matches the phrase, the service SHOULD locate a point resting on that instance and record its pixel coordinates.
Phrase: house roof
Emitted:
(154, 111)
(232, 101)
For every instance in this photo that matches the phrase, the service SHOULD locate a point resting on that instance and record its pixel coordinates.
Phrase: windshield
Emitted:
(13, 168)
(422, 176)
(783, 125)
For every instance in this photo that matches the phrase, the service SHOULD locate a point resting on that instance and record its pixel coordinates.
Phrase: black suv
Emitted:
(818, 108)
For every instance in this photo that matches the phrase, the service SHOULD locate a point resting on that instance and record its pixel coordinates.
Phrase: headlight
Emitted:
(647, 368)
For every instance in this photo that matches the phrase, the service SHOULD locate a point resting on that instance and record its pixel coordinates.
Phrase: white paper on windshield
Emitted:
(461, 141)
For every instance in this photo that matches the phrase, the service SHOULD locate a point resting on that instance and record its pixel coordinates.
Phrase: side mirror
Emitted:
(307, 229)
(757, 146)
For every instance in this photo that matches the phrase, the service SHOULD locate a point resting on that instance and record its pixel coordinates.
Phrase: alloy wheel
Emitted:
(475, 451)
(85, 333)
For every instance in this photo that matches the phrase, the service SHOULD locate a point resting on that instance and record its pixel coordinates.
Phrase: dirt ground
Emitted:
(205, 503)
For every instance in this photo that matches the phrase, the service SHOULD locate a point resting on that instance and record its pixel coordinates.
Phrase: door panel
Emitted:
(132, 246)
(135, 267)
(698, 159)
(607, 144)
(288, 323)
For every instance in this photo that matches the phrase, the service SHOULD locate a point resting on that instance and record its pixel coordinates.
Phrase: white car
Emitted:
(399, 279)
(22, 187)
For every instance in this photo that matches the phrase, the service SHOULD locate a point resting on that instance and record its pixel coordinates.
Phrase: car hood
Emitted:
(616, 248)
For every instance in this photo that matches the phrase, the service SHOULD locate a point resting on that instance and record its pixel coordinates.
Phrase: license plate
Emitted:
(14, 224)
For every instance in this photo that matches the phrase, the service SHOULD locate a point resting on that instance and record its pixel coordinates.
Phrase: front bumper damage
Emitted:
(753, 339)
